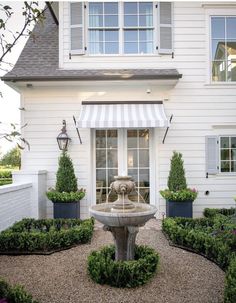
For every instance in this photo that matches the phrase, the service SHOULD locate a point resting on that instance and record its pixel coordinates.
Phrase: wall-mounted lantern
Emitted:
(63, 139)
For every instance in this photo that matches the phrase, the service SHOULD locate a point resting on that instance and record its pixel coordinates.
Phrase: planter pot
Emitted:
(179, 209)
(66, 210)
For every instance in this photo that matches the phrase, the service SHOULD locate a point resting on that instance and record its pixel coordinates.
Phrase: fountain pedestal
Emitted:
(124, 239)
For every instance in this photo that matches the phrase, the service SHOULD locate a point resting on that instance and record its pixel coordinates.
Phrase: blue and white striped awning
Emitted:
(133, 114)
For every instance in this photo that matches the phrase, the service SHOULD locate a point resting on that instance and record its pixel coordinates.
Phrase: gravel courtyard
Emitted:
(182, 277)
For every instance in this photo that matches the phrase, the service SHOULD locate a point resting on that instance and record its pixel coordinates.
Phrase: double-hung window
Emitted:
(228, 154)
(223, 48)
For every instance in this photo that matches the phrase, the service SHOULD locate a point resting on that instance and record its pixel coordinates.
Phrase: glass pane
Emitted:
(132, 158)
(145, 47)
(145, 20)
(132, 138)
(111, 174)
(101, 195)
(134, 174)
(218, 27)
(145, 8)
(130, 8)
(231, 27)
(144, 138)
(231, 72)
(233, 166)
(96, 48)
(100, 138)
(95, 8)
(143, 158)
(131, 35)
(131, 20)
(111, 35)
(233, 142)
(225, 166)
(224, 154)
(95, 21)
(112, 158)
(144, 178)
(95, 35)
(131, 48)
(218, 50)
(101, 158)
(224, 142)
(146, 35)
(112, 48)
(233, 154)
(101, 177)
(218, 71)
(111, 21)
(111, 8)
(112, 139)
(144, 192)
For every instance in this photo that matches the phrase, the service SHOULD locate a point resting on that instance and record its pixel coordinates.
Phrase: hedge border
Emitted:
(19, 239)
(212, 212)
(103, 269)
(14, 294)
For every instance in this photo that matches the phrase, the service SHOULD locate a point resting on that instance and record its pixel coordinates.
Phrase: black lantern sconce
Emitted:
(63, 139)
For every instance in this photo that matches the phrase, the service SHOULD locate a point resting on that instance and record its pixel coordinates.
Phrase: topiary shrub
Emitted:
(103, 268)
(176, 179)
(14, 294)
(230, 283)
(66, 179)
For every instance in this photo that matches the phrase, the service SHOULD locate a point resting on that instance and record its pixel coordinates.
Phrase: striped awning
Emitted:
(131, 114)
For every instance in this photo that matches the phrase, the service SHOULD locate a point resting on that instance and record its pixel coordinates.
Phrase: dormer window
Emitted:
(122, 28)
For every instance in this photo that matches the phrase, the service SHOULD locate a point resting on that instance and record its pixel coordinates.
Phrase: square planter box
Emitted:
(66, 210)
(179, 209)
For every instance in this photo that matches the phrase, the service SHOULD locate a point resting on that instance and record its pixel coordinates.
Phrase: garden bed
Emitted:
(30, 236)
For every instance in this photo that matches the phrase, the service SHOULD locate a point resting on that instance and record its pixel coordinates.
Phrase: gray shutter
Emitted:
(77, 27)
(165, 28)
(212, 155)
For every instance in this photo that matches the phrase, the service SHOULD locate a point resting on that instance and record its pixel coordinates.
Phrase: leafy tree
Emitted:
(12, 158)
(176, 179)
(66, 179)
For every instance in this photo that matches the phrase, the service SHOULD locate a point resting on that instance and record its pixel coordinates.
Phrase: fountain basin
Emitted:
(138, 216)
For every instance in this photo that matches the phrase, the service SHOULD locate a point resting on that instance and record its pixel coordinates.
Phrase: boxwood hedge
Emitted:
(45, 236)
(14, 294)
(212, 212)
(103, 268)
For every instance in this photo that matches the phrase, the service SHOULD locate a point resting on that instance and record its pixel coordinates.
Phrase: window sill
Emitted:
(119, 55)
(220, 84)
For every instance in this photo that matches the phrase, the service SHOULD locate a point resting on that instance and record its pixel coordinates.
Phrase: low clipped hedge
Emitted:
(5, 177)
(45, 236)
(14, 294)
(213, 237)
(212, 212)
(103, 268)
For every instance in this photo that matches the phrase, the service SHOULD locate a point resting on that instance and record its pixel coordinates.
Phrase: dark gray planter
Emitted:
(179, 209)
(66, 210)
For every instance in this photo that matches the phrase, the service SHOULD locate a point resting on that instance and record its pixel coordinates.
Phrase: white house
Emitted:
(123, 69)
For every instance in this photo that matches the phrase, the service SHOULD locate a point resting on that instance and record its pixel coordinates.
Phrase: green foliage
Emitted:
(12, 158)
(180, 195)
(5, 174)
(103, 269)
(56, 196)
(14, 294)
(230, 283)
(212, 212)
(176, 179)
(66, 179)
(30, 235)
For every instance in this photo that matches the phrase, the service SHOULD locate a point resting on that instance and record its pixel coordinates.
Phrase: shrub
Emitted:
(230, 283)
(66, 179)
(181, 195)
(176, 179)
(103, 269)
(47, 235)
(56, 196)
(5, 174)
(14, 294)
(212, 212)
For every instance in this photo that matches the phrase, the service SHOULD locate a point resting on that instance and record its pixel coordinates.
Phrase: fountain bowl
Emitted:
(136, 217)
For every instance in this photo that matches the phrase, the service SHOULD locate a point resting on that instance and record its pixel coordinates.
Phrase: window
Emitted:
(223, 48)
(228, 154)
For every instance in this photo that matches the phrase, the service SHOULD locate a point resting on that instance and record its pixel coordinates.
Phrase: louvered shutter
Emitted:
(77, 27)
(165, 28)
(212, 155)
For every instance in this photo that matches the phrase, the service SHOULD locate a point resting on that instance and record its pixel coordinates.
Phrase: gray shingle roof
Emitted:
(39, 61)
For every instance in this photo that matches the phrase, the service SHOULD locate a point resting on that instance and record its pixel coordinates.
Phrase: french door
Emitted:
(122, 152)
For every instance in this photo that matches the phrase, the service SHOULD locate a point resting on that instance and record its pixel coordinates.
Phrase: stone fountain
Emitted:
(123, 217)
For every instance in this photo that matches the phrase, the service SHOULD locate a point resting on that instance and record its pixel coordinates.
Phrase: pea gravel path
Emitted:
(183, 277)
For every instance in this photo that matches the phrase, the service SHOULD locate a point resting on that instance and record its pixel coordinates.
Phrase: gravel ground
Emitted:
(182, 277)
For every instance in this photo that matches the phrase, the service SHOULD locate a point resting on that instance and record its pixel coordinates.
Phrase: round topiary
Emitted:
(103, 268)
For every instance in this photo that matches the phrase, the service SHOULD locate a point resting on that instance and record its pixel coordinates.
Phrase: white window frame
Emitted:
(220, 172)
(121, 28)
